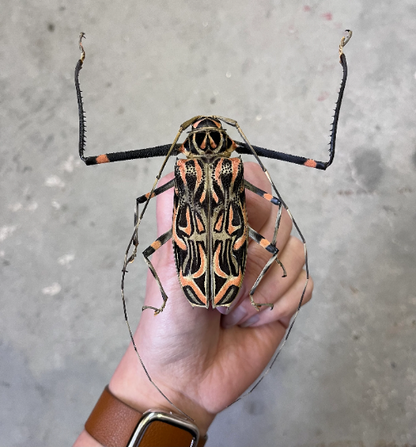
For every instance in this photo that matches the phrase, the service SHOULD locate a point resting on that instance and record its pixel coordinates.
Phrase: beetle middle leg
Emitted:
(144, 198)
(161, 240)
(134, 241)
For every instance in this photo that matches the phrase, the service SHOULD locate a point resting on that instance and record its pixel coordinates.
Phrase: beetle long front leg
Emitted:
(247, 148)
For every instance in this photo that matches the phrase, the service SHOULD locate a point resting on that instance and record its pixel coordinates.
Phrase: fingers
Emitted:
(164, 206)
(286, 306)
(284, 293)
(258, 209)
(274, 284)
(257, 256)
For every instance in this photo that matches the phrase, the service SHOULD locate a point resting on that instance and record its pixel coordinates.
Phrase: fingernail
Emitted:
(224, 310)
(252, 320)
(234, 317)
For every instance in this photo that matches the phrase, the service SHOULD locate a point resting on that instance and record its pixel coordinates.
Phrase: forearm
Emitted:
(130, 384)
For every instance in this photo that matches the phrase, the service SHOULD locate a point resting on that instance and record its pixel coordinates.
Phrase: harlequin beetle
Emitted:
(210, 230)
(209, 193)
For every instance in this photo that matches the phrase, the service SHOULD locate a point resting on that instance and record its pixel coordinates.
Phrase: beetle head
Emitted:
(208, 137)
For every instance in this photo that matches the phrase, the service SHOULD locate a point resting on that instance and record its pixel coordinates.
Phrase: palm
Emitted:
(214, 364)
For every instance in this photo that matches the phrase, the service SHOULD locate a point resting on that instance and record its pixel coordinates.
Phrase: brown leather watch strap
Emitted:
(112, 423)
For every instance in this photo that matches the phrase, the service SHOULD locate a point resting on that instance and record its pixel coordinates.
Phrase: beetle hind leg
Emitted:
(263, 242)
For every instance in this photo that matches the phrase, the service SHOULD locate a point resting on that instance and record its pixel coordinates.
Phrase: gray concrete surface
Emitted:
(347, 375)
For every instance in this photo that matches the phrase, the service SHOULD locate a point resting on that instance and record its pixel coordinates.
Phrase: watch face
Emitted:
(157, 428)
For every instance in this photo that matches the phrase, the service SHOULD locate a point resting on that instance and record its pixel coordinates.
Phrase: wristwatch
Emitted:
(115, 424)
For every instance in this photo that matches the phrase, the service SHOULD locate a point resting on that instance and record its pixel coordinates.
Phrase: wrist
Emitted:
(112, 423)
(131, 385)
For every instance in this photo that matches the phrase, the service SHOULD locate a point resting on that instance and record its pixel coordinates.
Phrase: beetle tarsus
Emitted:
(345, 39)
(283, 268)
(259, 305)
(155, 309)
(82, 36)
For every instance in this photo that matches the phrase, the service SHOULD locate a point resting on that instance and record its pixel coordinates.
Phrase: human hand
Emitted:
(204, 359)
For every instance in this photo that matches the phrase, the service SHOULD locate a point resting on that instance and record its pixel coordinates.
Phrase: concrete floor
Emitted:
(347, 375)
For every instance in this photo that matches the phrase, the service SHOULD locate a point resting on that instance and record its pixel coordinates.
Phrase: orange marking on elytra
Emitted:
(188, 282)
(310, 163)
(188, 228)
(102, 159)
(178, 241)
(217, 268)
(182, 169)
(231, 282)
(239, 242)
(231, 228)
(268, 197)
(202, 257)
(218, 171)
(199, 224)
(218, 225)
(198, 170)
(202, 196)
(235, 164)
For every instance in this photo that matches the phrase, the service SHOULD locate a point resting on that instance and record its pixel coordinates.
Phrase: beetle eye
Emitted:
(199, 138)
